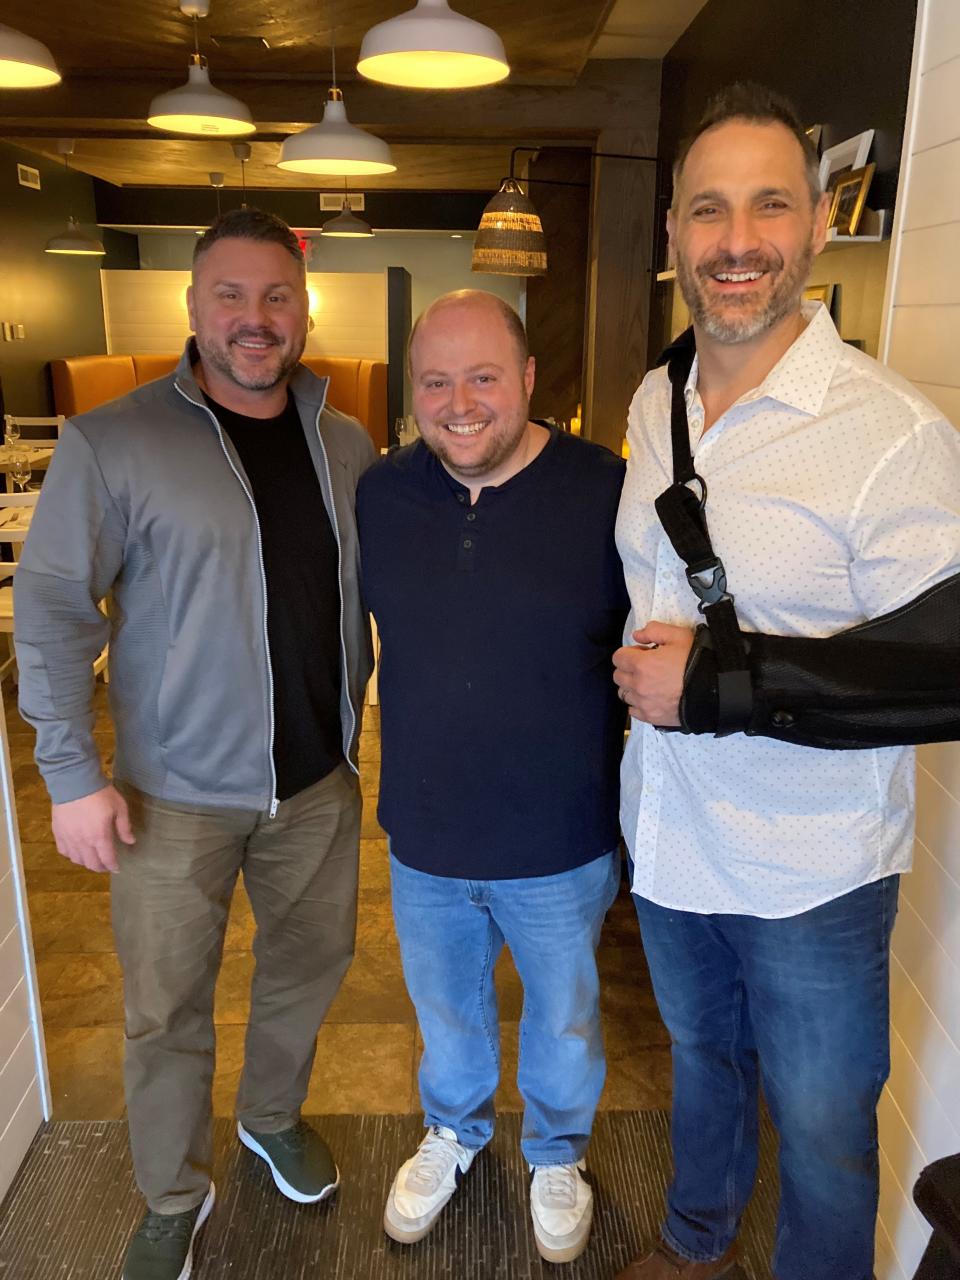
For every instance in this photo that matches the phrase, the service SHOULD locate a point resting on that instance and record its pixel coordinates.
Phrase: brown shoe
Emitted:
(664, 1264)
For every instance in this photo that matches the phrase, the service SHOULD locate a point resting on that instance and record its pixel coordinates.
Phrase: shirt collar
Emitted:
(802, 375)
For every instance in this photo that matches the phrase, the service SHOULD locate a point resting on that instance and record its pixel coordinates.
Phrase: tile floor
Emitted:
(368, 1047)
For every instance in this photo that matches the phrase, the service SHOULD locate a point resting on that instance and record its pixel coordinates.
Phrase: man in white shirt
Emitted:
(765, 872)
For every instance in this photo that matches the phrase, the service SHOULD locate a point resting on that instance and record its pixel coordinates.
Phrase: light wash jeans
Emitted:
(802, 1005)
(451, 932)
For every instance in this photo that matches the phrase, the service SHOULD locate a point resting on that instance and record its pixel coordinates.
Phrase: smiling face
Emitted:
(248, 310)
(744, 230)
(471, 390)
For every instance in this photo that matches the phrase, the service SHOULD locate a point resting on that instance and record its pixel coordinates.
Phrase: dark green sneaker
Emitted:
(162, 1249)
(299, 1160)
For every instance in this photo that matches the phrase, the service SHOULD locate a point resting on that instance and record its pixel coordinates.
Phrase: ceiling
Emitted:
(114, 58)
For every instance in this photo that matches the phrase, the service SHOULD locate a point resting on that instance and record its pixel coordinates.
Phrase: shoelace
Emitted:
(558, 1184)
(158, 1227)
(432, 1161)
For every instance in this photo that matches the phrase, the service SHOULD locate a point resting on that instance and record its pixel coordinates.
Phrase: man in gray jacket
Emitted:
(215, 507)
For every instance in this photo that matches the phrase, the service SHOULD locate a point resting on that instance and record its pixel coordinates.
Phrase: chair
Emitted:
(15, 512)
(37, 428)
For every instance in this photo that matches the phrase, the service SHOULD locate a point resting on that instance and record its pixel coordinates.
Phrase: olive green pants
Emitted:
(170, 902)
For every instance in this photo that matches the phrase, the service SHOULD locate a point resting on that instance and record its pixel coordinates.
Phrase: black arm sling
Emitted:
(893, 680)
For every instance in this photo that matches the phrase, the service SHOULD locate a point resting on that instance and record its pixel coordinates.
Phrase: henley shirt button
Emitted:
(461, 497)
(467, 544)
(782, 719)
(471, 515)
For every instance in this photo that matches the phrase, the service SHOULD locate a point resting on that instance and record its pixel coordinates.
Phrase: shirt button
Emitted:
(461, 497)
(471, 515)
(467, 544)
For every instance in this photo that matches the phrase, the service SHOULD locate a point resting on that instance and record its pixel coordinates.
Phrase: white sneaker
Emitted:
(424, 1184)
(561, 1205)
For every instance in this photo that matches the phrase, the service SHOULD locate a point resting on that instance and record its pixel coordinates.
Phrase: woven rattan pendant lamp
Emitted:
(510, 240)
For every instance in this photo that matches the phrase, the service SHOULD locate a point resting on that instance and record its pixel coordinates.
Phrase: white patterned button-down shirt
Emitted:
(834, 496)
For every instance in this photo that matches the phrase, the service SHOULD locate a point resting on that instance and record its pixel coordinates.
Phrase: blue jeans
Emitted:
(451, 932)
(802, 1002)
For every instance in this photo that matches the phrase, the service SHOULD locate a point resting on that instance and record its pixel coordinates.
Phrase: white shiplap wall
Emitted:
(24, 1093)
(146, 311)
(920, 1108)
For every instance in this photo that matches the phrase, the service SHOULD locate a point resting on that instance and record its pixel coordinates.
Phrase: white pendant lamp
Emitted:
(25, 63)
(335, 147)
(73, 240)
(432, 47)
(346, 224)
(197, 107)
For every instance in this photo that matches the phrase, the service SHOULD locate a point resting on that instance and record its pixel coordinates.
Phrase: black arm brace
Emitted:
(892, 681)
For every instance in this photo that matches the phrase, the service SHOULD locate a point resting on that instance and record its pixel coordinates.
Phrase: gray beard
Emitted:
(220, 359)
(731, 329)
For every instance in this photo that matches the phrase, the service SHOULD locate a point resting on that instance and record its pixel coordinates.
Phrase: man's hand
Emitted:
(649, 674)
(84, 829)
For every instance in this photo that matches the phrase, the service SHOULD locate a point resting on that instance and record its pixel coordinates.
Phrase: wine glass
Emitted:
(11, 432)
(21, 471)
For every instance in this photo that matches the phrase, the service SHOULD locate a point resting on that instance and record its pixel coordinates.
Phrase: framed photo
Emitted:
(819, 293)
(844, 158)
(849, 196)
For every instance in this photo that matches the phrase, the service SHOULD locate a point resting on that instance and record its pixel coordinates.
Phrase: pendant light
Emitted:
(25, 63)
(73, 241)
(197, 107)
(432, 47)
(510, 239)
(346, 223)
(335, 147)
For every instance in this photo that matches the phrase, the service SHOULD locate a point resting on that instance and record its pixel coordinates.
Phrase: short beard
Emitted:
(784, 298)
(501, 446)
(221, 360)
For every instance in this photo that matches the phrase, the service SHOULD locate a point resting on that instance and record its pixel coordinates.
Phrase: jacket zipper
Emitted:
(274, 802)
(343, 644)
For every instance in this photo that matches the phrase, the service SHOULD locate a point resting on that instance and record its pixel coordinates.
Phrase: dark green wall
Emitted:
(56, 299)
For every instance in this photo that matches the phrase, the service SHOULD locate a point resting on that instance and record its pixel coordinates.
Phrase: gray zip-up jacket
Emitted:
(146, 499)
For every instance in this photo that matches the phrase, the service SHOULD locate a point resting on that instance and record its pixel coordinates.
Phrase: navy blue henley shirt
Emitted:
(500, 724)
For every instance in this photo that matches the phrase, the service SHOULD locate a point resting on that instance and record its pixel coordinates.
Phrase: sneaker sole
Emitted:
(282, 1185)
(395, 1226)
(563, 1248)
(202, 1216)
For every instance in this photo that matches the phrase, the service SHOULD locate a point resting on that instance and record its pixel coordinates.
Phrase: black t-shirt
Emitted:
(501, 727)
(300, 561)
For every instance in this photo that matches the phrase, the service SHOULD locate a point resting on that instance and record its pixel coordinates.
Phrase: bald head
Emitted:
(445, 310)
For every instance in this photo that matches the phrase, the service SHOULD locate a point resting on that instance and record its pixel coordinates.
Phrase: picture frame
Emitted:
(849, 197)
(844, 157)
(820, 293)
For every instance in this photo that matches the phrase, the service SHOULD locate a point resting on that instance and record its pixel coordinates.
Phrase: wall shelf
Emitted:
(666, 275)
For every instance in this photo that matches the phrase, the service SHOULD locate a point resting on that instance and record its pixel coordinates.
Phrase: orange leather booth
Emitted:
(357, 387)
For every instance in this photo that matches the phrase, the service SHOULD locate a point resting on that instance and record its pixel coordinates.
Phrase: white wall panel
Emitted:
(931, 1123)
(11, 964)
(936, 1055)
(887, 1262)
(938, 821)
(924, 344)
(930, 266)
(935, 897)
(934, 195)
(8, 903)
(942, 40)
(947, 400)
(931, 970)
(145, 311)
(17, 1075)
(938, 103)
(18, 1134)
(14, 1020)
(906, 1229)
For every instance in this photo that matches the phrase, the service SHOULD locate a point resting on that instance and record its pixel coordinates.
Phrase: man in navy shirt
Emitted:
(489, 562)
